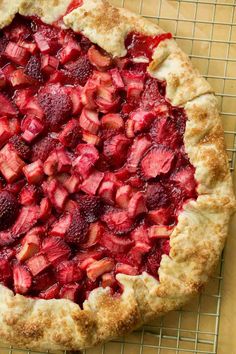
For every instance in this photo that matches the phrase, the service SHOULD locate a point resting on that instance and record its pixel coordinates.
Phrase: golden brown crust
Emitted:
(197, 240)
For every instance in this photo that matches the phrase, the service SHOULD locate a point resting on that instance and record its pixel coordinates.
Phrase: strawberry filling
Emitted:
(93, 170)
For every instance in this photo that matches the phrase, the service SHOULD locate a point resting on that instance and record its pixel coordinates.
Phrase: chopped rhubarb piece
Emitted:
(102, 62)
(92, 183)
(115, 149)
(45, 209)
(86, 161)
(51, 164)
(61, 226)
(112, 121)
(18, 78)
(57, 194)
(123, 196)
(7, 70)
(64, 161)
(3, 79)
(70, 51)
(34, 172)
(68, 272)
(137, 205)
(108, 280)
(91, 138)
(33, 108)
(42, 43)
(138, 251)
(94, 234)
(37, 264)
(116, 244)
(70, 206)
(139, 147)
(31, 47)
(75, 96)
(159, 231)
(33, 69)
(55, 249)
(28, 195)
(6, 107)
(69, 292)
(97, 268)
(89, 121)
(126, 269)
(49, 64)
(160, 216)
(117, 79)
(107, 192)
(10, 163)
(16, 53)
(29, 248)
(142, 120)
(82, 256)
(70, 134)
(31, 127)
(119, 222)
(5, 133)
(26, 220)
(73, 183)
(51, 293)
(156, 162)
(22, 279)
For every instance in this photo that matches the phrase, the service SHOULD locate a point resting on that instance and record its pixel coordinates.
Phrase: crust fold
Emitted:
(197, 240)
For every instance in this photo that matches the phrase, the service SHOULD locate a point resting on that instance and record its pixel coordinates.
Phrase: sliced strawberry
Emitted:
(157, 161)
(16, 187)
(16, 54)
(56, 106)
(126, 269)
(140, 234)
(142, 120)
(116, 244)
(50, 293)
(185, 178)
(161, 216)
(70, 292)
(42, 148)
(37, 264)
(43, 281)
(89, 121)
(70, 135)
(81, 256)
(6, 238)
(6, 107)
(5, 270)
(33, 108)
(3, 79)
(102, 62)
(159, 231)
(80, 70)
(20, 146)
(55, 249)
(94, 234)
(112, 121)
(68, 272)
(107, 192)
(164, 131)
(138, 251)
(97, 268)
(26, 220)
(119, 222)
(137, 205)
(33, 68)
(49, 64)
(70, 51)
(9, 209)
(22, 279)
(85, 162)
(117, 79)
(157, 196)
(90, 206)
(92, 183)
(151, 97)
(115, 149)
(45, 209)
(78, 228)
(123, 196)
(139, 147)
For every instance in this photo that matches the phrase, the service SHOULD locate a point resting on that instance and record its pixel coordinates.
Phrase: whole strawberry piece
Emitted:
(80, 70)
(57, 107)
(77, 229)
(33, 68)
(43, 148)
(20, 146)
(9, 209)
(90, 206)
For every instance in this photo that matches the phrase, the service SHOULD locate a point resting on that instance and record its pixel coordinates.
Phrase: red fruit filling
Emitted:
(93, 170)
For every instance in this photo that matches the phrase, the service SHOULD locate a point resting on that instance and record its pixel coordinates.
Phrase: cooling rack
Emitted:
(206, 30)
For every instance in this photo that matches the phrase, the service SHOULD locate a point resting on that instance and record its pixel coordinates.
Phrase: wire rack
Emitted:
(206, 30)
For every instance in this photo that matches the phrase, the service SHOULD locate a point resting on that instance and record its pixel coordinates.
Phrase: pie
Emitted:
(115, 188)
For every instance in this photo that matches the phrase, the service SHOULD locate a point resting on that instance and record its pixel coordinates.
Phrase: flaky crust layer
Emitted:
(197, 240)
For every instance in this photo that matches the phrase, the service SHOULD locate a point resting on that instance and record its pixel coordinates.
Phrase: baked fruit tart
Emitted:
(115, 192)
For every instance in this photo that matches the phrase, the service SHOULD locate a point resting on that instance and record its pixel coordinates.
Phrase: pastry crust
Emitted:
(197, 240)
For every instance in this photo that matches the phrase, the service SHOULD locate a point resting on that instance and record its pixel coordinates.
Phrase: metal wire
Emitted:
(194, 328)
